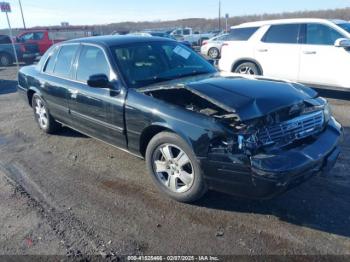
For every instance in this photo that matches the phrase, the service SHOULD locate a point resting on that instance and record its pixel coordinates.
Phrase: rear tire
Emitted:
(42, 116)
(5, 60)
(213, 53)
(247, 68)
(175, 168)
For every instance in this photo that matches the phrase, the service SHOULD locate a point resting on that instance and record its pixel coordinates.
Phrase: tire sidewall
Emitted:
(248, 64)
(6, 56)
(198, 188)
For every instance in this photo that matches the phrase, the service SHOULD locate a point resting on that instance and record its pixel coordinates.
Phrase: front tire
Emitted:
(247, 68)
(175, 168)
(42, 116)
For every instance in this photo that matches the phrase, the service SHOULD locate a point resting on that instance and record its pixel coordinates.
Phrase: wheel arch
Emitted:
(247, 60)
(31, 91)
(151, 131)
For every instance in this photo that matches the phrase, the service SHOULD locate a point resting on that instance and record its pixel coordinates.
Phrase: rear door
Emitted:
(98, 112)
(278, 52)
(57, 78)
(321, 61)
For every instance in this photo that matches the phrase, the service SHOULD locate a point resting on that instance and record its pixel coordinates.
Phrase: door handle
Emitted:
(73, 93)
(263, 50)
(310, 52)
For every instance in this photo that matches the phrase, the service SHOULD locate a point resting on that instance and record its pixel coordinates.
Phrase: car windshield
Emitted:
(147, 63)
(345, 26)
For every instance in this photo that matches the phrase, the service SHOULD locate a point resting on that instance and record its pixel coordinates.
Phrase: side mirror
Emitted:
(98, 81)
(115, 88)
(342, 42)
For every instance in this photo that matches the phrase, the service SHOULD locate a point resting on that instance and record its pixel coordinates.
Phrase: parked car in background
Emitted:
(25, 52)
(312, 51)
(46, 38)
(161, 34)
(212, 47)
(187, 34)
(196, 128)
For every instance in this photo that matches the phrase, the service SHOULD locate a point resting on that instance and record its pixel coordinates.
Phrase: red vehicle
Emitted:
(45, 38)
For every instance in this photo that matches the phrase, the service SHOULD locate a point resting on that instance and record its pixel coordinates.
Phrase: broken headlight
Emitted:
(327, 112)
(248, 143)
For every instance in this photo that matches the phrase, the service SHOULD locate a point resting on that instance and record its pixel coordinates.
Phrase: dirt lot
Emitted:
(69, 194)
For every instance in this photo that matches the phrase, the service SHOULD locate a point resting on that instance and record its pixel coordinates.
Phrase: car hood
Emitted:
(247, 97)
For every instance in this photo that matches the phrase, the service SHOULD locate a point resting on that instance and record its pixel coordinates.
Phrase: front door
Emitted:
(321, 61)
(98, 112)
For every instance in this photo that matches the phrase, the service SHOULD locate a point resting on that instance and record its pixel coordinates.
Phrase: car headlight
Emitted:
(327, 112)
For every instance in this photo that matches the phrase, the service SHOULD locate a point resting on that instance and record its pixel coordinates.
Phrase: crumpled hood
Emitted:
(250, 98)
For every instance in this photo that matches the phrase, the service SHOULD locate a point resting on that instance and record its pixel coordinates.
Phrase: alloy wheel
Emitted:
(246, 70)
(41, 113)
(213, 53)
(173, 168)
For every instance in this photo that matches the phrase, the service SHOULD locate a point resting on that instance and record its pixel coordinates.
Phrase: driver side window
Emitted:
(317, 34)
(92, 61)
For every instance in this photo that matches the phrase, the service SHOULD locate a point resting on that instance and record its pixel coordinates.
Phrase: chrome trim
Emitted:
(112, 76)
(97, 121)
(291, 130)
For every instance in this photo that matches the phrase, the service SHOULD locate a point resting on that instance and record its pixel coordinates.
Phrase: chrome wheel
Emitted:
(173, 168)
(41, 113)
(246, 70)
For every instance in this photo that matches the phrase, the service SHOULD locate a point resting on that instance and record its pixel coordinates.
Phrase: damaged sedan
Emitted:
(197, 129)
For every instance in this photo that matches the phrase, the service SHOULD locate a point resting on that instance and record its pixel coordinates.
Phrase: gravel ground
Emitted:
(71, 195)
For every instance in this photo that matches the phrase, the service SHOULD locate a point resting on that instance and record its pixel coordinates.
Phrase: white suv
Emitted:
(312, 51)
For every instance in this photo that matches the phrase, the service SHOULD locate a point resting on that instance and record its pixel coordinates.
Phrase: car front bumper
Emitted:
(204, 50)
(267, 175)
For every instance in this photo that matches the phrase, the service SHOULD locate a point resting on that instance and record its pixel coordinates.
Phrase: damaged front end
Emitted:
(268, 153)
(276, 152)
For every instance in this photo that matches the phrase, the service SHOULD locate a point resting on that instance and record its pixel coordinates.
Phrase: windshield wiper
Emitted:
(194, 73)
(154, 80)
(157, 79)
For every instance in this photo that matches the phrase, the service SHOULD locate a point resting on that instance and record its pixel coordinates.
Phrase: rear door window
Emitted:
(64, 61)
(283, 34)
(318, 34)
(32, 36)
(241, 34)
(50, 63)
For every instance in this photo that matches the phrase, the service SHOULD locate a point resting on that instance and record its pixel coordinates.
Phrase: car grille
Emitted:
(291, 130)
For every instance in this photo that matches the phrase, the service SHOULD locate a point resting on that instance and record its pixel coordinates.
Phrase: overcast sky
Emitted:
(78, 12)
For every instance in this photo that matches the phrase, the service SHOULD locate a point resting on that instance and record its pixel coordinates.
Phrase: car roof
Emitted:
(115, 40)
(284, 21)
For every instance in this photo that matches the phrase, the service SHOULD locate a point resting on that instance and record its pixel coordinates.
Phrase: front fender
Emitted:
(143, 112)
